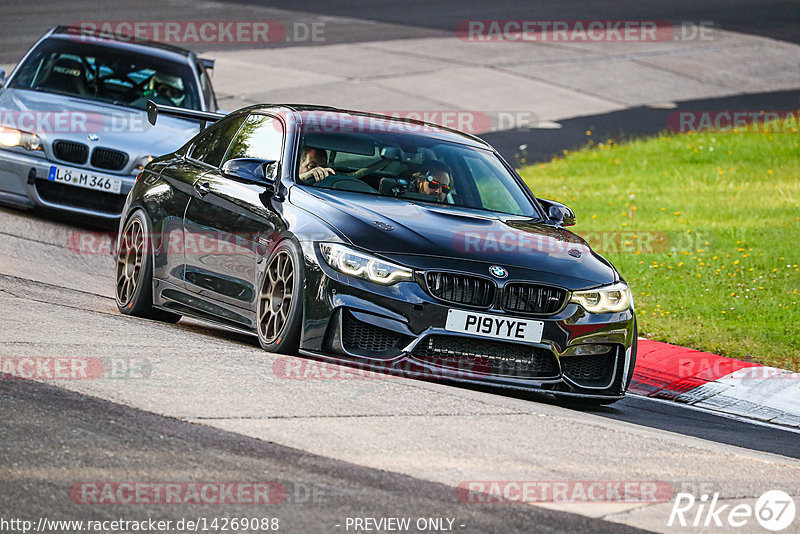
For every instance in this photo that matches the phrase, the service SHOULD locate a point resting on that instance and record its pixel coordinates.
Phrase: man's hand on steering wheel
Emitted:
(316, 174)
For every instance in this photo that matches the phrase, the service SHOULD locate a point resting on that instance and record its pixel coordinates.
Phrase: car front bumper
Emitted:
(400, 329)
(24, 183)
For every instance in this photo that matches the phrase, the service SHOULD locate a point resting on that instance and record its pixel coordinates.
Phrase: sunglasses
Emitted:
(436, 184)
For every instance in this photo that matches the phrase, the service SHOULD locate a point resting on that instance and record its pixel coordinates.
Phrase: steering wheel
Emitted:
(338, 181)
(135, 89)
(369, 169)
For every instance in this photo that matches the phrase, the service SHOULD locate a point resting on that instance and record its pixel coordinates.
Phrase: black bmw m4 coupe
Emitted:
(390, 244)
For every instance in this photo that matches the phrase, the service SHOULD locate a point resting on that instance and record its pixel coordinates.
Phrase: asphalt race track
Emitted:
(184, 402)
(96, 436)
(193, 402)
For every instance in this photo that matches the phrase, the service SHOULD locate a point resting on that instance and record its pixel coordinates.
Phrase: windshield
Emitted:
(411, 166)
(95, 72)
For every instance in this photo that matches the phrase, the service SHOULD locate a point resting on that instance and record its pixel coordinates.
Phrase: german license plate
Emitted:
(87, 180)
(494, 326)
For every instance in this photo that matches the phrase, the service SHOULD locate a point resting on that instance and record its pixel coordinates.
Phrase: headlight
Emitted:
(12, 137)
(142, 162)
(614, 298)
(354, 263)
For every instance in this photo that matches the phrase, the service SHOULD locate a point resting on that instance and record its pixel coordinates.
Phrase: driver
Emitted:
(312, 165)
(433, 179)
(169, 87)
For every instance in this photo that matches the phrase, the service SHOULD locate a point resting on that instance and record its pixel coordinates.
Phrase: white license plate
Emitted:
(83, 179)
(494, 326)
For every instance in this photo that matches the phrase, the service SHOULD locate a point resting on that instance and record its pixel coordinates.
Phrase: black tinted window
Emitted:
(260, 137)
(416, 167)
(212, 144)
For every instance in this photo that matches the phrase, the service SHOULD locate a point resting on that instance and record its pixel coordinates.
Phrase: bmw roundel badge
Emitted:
(498, 271)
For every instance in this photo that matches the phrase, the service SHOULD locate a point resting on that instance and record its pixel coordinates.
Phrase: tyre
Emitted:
(280, 300)
(134, 272)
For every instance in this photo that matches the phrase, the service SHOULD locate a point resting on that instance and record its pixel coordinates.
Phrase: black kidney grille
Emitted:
(531, 298)
(71, 152)
(460, 288)
(485, 356)
(106, 158)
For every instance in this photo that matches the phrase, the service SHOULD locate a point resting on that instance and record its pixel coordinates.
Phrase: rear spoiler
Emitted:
(154, 109)
(207, 63)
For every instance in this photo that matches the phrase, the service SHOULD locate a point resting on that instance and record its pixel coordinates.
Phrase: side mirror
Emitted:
(2, 78)
(558, 212)
(258, 171)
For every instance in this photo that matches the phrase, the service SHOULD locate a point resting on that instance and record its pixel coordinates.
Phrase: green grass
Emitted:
(705, 227)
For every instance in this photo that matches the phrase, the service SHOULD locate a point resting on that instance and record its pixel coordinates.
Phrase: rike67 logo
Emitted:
(774, 510)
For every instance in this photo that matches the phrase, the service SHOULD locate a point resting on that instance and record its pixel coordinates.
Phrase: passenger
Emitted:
(312, 165)
(433, 179)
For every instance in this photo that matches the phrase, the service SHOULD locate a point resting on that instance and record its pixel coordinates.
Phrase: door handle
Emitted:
(202, 188)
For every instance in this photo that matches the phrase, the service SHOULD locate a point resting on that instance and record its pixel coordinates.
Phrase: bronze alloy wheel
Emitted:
(275, 298)
(130, 259)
